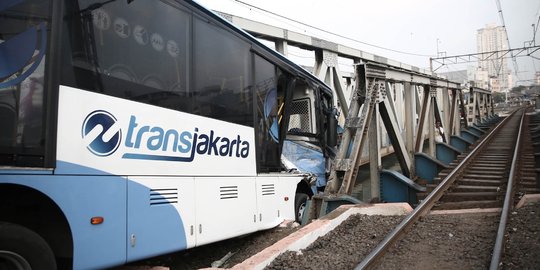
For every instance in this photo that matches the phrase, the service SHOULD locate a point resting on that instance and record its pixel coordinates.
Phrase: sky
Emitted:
(422, 27)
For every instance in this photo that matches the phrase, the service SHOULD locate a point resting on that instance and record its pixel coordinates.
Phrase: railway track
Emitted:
(482, 178)
(481, 182)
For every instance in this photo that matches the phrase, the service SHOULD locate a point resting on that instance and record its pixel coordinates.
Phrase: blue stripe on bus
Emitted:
(71, 168)
(158, 228)
(157, 157)
(84, 196)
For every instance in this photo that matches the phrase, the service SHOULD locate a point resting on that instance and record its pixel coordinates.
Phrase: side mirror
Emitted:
(331, 133)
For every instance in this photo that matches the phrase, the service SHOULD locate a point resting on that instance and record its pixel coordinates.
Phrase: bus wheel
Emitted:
(300, 202)
(22, 249)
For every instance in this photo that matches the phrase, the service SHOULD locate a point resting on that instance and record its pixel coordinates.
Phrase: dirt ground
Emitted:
(455, 242)
(522, 249)
(341, 248)
(203, 257)
(461, 241)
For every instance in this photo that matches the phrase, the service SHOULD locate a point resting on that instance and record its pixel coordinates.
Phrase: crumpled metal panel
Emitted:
(306, 159)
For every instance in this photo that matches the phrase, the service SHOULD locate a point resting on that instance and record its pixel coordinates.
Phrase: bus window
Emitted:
(302, 117)
(23, 44)
(119, 48)
(300, 120)
(221, 68)
(268, 119)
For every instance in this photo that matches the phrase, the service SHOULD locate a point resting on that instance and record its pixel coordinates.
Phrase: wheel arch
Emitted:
(31, 208)
(303, 187)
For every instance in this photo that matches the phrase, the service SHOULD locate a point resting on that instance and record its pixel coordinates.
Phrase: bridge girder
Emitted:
(382, 99)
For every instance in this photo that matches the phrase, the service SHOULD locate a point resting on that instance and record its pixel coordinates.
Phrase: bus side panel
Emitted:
(287, 188)
(226, 207)
(268, 200)
(275, 199)
(161, 215)
(81, 198)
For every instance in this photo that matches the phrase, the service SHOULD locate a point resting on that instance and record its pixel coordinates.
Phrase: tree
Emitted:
(518, 89)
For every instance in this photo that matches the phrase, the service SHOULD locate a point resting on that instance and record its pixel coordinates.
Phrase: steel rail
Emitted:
(427, 203)
(508, 202)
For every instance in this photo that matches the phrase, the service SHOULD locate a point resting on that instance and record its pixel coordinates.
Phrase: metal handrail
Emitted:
(508, 202)
(426, 204)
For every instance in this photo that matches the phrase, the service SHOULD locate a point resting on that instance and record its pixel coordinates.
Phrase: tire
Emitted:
(300, 202)
(21, 248)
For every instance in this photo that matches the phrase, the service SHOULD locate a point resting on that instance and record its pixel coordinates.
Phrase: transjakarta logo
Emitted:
(149, 142)
(101, 134)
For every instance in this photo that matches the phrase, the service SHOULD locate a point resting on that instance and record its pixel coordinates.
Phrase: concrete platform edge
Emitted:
(309, 233)
(528, 199)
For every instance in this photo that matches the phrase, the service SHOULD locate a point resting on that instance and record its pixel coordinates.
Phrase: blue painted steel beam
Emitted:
(395, 187)
(476, 131)
(446, 153)
(459, 143)
(426, 167)
(469, 136)
(330, 204)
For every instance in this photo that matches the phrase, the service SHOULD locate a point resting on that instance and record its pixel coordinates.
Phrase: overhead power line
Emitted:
(499, 7)
(484, 56)
(332, 33)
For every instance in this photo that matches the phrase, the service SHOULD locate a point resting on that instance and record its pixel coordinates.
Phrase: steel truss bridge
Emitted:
(386, 104)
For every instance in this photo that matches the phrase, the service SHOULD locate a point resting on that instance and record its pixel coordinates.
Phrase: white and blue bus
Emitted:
(133, 128)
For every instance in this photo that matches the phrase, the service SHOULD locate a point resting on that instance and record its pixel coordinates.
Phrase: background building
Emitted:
(490, 39)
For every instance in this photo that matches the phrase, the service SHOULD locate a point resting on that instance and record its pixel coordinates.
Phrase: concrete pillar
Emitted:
(282, 47)
(431, 129)
(371, 187)
(447, 114)
(410, 121)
